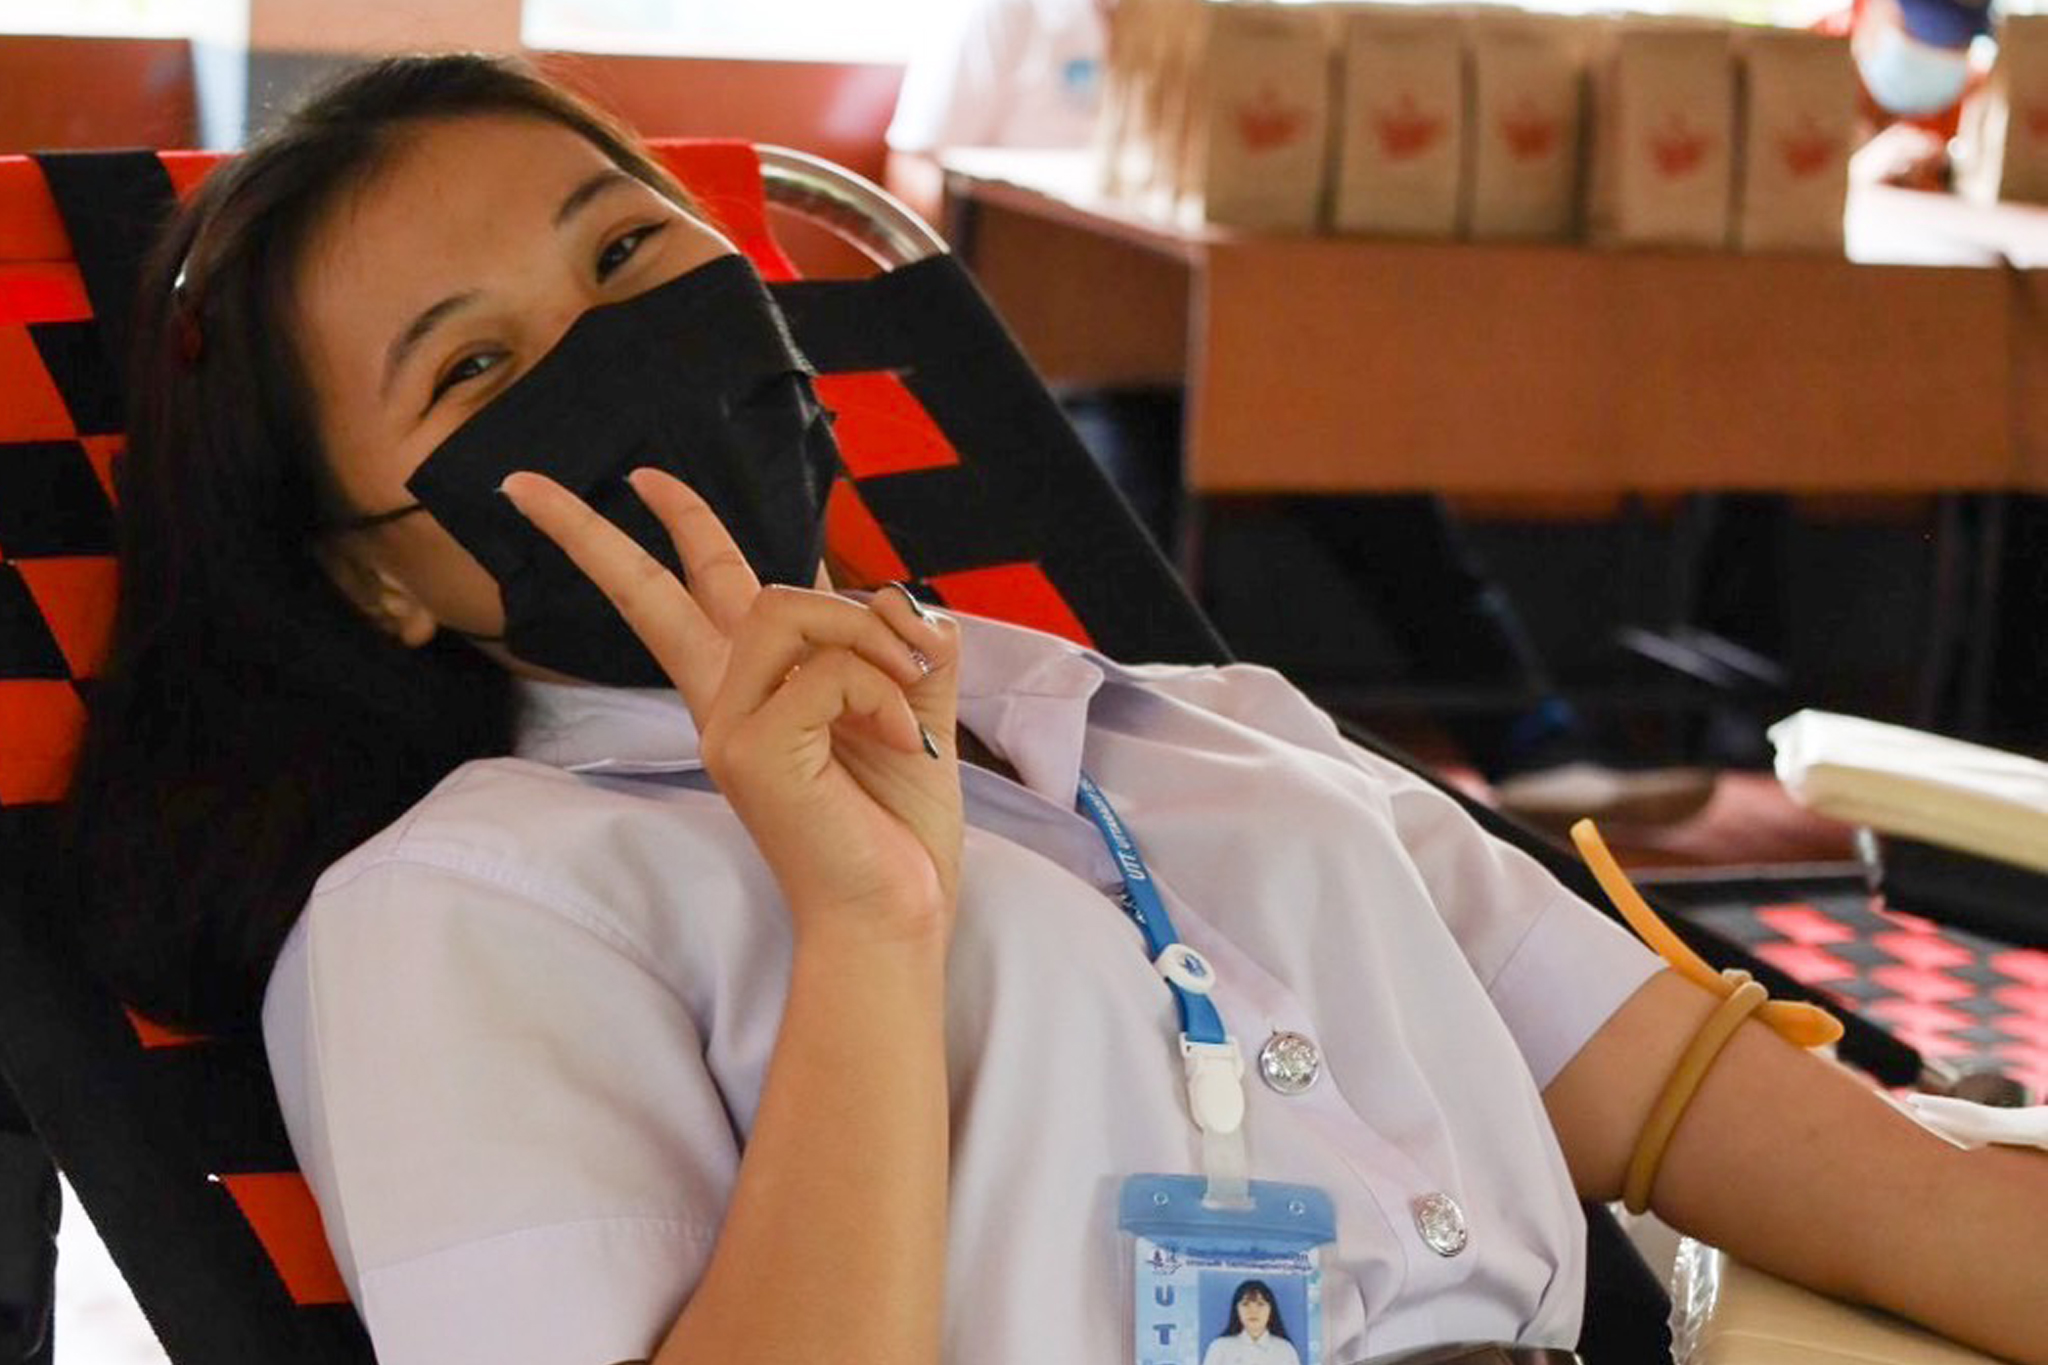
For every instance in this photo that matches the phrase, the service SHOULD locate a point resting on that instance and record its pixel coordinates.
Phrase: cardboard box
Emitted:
(1799, 124)
(1258, 112)
(1401, 121)
(1525, 140)
(1664, 134)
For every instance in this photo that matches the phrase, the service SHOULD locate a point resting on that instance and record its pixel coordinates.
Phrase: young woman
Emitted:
(1255, 1334)
(787, 1010)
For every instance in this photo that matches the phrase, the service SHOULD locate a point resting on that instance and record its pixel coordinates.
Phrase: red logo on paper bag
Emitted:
(1269, 122)
(1405, 131)
(2037, 121)
(1530, 133)
(1808, 151)
(1678, 148)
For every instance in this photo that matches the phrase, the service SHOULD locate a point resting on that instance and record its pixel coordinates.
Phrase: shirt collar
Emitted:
(1023, 693)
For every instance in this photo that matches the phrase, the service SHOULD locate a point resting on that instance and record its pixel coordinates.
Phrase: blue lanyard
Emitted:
(1199, 1019)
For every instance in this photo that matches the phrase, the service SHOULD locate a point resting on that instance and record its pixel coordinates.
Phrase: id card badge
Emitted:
(1237, 1284)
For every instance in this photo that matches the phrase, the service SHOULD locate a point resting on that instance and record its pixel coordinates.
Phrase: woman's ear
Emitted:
(374, 590)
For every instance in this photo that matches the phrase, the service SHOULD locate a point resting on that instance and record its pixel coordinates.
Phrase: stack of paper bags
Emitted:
(1916, 785)
(1219, 111)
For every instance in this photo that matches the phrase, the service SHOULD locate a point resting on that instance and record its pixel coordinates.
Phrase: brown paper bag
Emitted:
(1664, 131)
(2005, 129)
(1257, 121)
(1117, 133)
(1180, 43)
(1400, 122)
(1799, 118)
(1528, 74)
(1131, 141)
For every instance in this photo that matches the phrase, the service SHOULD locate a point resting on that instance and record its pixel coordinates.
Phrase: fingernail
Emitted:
(915, 605)
(931, 746)
(922, 660)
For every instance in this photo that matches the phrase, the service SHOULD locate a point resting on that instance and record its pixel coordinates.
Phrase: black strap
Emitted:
(112, 204)
(1026, 489)
(135, 1133)
(30, 1206)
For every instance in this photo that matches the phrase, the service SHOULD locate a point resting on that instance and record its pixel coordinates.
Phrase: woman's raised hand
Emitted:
(827, 723)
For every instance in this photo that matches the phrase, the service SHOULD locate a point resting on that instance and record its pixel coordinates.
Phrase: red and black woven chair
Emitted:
(960, 475)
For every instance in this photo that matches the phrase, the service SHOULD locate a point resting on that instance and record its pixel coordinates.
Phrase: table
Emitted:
(1916, 363)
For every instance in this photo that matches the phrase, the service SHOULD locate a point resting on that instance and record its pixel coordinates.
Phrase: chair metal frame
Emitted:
(855, 209)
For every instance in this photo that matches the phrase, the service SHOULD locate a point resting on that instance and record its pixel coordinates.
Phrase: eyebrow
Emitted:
(610, 177)
(408, 341)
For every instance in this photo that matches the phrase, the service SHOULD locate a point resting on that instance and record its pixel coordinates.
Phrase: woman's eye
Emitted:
(621, 249)
(464, 370)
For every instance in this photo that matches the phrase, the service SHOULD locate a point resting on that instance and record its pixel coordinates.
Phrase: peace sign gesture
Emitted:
(827, 723)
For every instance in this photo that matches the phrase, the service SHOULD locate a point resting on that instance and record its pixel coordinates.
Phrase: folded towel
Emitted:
(1922, 786)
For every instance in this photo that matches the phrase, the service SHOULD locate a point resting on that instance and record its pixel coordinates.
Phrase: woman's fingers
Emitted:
(682, 638)
(833, 685)
(731, 646)
(786, 625)
(719, 577)
(933, 638)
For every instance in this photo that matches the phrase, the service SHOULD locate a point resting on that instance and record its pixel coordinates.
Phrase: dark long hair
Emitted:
(250, 726)
(1234, 1326)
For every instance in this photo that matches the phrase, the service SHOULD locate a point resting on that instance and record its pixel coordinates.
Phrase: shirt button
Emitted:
(1290, 1063)
(1441, 1223)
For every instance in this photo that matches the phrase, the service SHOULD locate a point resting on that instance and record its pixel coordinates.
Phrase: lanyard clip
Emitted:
(1185, 968)
(1215, 1073)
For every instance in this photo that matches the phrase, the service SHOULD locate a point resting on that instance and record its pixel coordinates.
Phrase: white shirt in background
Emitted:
(1005, 73)
(519, 1037)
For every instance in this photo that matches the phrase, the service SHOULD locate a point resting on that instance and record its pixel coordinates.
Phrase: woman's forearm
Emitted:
(834, 1245)
(1793, 1165)
(1842, 1192)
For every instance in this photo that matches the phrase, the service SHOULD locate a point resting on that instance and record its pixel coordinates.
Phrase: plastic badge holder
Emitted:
(1191, 1262)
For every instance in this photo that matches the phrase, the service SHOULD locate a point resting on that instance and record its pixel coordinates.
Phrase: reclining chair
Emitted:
(173, 1143)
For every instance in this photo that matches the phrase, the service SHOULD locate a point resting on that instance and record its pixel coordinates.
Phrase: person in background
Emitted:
(1029, 74)
(1914, 66)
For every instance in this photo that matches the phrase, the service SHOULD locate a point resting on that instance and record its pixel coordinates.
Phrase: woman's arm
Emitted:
(828, 725)
(834, 1245)
(1794, 1165)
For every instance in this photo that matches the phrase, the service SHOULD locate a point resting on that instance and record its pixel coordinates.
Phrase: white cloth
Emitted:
(1921, 786)
(1244, 1350)
(519, 1037)
(1968, 1124)
(1005, 73)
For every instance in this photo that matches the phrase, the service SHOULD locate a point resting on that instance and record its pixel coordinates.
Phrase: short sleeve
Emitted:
(504, 1114)
(1555, 967)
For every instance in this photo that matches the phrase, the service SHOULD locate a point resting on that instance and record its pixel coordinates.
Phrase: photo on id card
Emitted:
(1229, 1285)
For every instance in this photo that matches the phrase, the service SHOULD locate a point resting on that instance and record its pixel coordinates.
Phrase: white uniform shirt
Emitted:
(519, 1037)
(1005, 73)
(1246, 1350)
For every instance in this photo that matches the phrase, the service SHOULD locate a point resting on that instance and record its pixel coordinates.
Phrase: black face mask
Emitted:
(697, 377)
